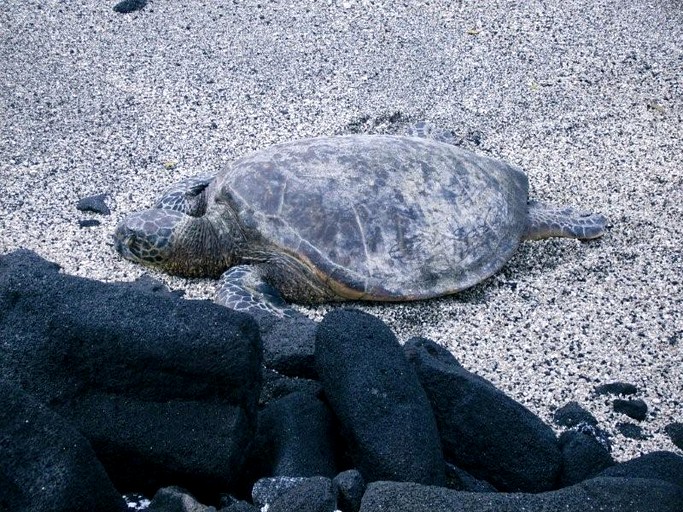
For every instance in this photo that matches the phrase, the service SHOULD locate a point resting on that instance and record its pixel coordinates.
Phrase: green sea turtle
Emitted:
(358, 217)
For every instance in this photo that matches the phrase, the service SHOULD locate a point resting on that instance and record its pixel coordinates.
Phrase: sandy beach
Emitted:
(586, 96)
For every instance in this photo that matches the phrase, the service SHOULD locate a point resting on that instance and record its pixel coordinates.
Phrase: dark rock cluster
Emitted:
(114, 389)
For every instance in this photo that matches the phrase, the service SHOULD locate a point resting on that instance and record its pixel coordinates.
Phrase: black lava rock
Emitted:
(595, 495)
(266, 490)
(616, 388)
(295, 438)
(127, 6)
(460, 480)
(483, 431)
(572, 414)
(596, 433)
(94, 204)
(147, 444)
(583, 457)
(309, 495)
(241, 506)
(636, 409)
(631, 431)
(288, 344)
(675, 433)
(229, 503)
(349, 488)
(88, 223)
(384, 413)
(661, 465)
(45, 464)
(134, 372)
(276, 386)
(175, 499)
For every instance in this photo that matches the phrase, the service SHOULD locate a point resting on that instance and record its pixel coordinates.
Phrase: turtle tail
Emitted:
(546, 221)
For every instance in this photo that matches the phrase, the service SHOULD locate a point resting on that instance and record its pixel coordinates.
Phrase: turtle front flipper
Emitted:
(546, 221)
(187, 196)
(243, 288)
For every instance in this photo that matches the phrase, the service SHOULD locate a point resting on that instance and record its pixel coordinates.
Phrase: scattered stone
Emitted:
(94, 204)
(45, 464)
(661, 465)
(583, 457)
(595, 495)
(175, 499)
(483, 431)
(349, 488)
(636, 409)
(675, 433)
(88, 223)
(295, 438)
(631, 431)
(127, 6)
(616, 388)
(572, 414)
(132, 384)
(384, 413)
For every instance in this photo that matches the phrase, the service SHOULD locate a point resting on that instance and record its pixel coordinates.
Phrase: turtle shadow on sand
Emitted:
(383, 218)
(548, 255)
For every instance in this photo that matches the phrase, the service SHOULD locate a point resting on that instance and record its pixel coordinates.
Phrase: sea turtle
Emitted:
(357, 217)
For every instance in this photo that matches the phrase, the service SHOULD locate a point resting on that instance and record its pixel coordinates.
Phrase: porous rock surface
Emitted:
(164, 389)
(169, 392)
(45, 463)
(483, 431)
(384, 413)
(596, 495)
(295, 437)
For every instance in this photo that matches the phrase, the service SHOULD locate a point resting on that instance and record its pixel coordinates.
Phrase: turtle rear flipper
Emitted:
(546, 221)
(243, 288)
(187, 196)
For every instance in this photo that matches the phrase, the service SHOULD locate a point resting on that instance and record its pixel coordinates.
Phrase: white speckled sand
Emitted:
(586, 95)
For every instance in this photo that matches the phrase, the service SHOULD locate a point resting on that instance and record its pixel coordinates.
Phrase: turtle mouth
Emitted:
(126, 244)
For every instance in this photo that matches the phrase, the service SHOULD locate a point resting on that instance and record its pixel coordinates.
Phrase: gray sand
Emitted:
(586, 95)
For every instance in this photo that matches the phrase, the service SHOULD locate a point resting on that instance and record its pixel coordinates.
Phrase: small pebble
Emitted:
(636, 409)
(94, 204)
(127, 6)
(675, 433)
(631, 431)
(88, 223)
(616, 388)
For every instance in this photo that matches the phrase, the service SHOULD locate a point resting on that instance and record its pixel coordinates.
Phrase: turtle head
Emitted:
(171, 241)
